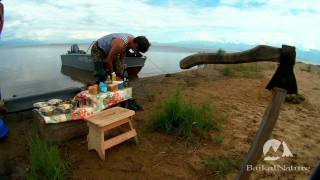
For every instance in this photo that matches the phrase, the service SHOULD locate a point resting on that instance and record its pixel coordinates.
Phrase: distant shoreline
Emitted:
(187, 48)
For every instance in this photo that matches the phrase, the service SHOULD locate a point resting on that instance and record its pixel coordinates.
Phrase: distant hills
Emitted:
(310, 56)
(18, 42)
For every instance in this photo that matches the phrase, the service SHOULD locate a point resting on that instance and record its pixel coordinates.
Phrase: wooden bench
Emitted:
(106, 120)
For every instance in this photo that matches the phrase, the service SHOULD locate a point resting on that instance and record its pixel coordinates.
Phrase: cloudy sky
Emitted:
(274, 22)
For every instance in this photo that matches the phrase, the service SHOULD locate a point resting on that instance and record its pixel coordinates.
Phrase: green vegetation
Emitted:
(226, 71)
(219, 139)
(242, 70)
(221, 166)
(220, 52)
(181, 118)
(309, 68)
(45, 162)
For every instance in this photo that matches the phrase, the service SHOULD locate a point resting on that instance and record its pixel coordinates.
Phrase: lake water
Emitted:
(35, 70)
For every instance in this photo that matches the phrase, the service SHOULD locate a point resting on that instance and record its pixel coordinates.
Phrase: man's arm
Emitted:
(123, 56)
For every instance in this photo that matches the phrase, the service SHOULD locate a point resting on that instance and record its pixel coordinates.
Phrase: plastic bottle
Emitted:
(108, 80)
(126, 82)
(113, 76)
(125, 76)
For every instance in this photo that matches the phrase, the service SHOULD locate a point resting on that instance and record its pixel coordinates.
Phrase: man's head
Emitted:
(142, 44)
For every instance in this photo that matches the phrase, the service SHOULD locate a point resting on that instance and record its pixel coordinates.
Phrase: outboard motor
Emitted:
(74, 48)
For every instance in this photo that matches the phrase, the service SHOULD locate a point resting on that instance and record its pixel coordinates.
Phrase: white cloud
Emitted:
(271, 22)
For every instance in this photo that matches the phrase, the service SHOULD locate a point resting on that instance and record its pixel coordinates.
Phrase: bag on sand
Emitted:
(132, 105)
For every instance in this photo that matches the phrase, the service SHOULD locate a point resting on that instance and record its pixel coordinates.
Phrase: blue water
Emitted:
(35, 70)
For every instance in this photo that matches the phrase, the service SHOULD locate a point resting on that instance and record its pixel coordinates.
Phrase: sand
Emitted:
(242, 100)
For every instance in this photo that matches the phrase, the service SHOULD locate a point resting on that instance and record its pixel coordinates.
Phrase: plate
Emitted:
(65, 107)
(40, 104)
(47, 110)
(54, 101)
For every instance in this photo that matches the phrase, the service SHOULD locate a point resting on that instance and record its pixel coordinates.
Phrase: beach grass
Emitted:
(250, 70)
(218, 139)
(45, 162)
(181, 118)
(226, 71)
(221, 166)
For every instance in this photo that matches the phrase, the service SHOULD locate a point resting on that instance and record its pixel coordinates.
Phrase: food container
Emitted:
(54, 102)
(121, 85)
(40, 104)
(103, 87)
(113, 87)
(118, 78)
(93, 89)
(65, 108)
(47, 110)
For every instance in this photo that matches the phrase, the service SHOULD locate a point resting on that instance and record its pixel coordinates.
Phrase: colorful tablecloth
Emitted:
(89, 104)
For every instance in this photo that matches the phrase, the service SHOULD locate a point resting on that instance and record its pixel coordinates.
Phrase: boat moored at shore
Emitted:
(81, 60)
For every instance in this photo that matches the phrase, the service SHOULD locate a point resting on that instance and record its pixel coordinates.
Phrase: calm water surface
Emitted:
(35, 70)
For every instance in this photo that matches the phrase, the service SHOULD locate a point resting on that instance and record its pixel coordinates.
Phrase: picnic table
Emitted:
(61, 127)
(89, 104)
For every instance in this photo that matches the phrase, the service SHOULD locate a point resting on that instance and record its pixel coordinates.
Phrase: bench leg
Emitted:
(132, 128)
(95, 140)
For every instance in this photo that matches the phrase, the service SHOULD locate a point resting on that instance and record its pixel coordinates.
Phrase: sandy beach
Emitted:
(239, 96)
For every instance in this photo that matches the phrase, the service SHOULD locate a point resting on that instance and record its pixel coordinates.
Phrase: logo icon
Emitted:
(275, 144)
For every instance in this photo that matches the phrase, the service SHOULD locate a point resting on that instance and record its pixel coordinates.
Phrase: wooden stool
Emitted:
(104, 121)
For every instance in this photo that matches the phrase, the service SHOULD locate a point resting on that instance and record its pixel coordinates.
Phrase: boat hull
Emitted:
(85, 62)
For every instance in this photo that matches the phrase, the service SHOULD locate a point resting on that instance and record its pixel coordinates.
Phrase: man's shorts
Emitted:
(99, 58)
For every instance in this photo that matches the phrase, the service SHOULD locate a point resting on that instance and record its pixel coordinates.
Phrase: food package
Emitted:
(121, 85)
(94, 89)
(65, 108)
(47, 110)
(113, 87)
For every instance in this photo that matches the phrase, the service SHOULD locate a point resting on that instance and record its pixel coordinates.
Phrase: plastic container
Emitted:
(3, 129)
(48, 110)
(114, 76)
(93, 89)
(109, 81)
(113, 87)
(126, 82)
(65, 108)
(103, 87)
(121, 85)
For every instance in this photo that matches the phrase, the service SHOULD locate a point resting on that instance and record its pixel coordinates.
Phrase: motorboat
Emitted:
(79, 59)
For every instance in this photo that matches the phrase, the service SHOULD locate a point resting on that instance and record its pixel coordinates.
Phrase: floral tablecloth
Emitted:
(89, 104)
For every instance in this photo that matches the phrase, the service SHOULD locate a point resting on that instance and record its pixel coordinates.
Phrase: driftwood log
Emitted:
(282, 82)
(259, 53)
(285, 56)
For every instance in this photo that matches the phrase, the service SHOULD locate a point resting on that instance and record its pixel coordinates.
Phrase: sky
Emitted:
(272, 22)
